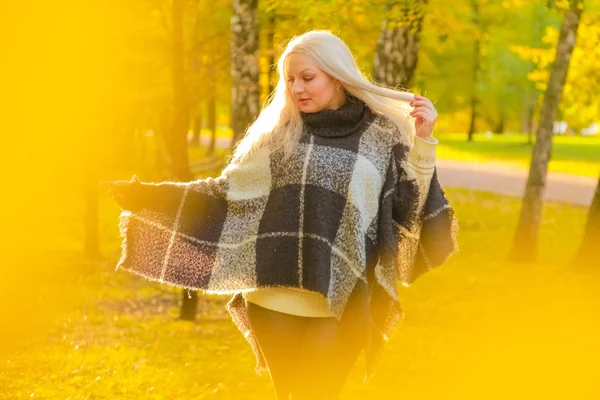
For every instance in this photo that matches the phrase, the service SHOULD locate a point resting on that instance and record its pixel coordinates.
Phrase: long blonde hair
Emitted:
(279, 125)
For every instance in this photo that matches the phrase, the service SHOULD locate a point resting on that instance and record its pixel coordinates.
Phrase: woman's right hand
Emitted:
(122, 192)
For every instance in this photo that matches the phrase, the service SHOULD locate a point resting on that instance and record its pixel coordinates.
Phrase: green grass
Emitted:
(476, 328)
(571, 154)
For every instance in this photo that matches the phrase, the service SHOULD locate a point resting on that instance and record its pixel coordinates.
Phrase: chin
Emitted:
(309, 108)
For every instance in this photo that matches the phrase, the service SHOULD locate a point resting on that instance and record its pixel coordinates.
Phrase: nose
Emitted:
(297, 87)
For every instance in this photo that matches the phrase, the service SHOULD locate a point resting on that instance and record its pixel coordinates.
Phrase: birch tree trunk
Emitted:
(245, 100)
(524, 248)
(398, 44)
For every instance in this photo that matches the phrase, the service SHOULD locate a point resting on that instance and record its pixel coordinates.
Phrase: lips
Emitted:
(303, 101)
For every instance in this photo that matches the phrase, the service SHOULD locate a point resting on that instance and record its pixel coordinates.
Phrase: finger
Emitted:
(422, 109)
(422, 103)
(419, 97)
(423, 113)
(426, 116)
(425, 100)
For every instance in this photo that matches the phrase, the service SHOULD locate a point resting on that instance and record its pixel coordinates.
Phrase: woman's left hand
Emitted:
(425, 116)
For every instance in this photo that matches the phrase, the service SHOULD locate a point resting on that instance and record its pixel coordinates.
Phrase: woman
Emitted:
(328, 202)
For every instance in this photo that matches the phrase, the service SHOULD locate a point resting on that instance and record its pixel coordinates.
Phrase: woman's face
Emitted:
(311, 88)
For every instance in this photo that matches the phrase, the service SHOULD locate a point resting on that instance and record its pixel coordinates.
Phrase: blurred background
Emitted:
(164, 88)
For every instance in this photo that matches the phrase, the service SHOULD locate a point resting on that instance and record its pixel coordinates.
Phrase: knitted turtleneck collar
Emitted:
(344, 121)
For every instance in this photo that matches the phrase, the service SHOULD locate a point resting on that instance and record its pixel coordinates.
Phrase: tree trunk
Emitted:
(525, 243)
(212, 118)
(588, 254)
(529, 103)
(163, 127)
(90, 162)
(245, 96)
(92, 241)
(177, 140)
(397, 51)
(271, 41)
(499, 129)
(472, 126)
(197, 128)
(177, 145)
(189, 305)
(476, 67)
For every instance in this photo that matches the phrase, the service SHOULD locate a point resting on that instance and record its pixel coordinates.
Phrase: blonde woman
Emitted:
(328, 202)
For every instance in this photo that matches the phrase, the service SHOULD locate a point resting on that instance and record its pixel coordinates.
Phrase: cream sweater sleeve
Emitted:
(421, 160)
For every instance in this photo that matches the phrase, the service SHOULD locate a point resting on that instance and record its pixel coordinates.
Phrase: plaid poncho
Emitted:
(345, 215)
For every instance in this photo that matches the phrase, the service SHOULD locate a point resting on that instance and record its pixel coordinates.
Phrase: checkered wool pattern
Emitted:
(347, 210)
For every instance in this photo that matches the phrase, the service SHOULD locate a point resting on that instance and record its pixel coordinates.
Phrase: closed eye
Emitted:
(305, 79)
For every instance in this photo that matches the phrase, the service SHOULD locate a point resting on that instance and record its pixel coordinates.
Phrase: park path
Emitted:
(504, 179)
(511, 181)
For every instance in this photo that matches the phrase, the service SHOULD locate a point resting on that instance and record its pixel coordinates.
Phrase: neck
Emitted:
(349, 118)
(338, 101)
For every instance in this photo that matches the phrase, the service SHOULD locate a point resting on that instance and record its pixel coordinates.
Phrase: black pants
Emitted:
(308, 358)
